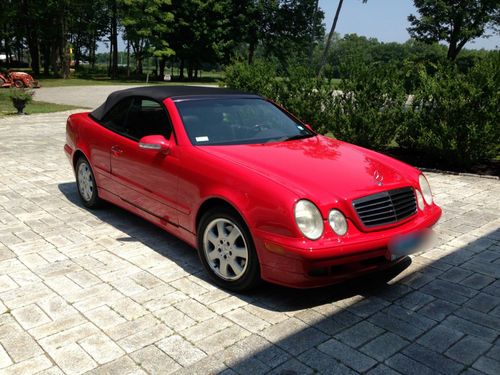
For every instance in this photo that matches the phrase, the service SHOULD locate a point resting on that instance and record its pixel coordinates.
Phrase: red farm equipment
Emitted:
(17, 79)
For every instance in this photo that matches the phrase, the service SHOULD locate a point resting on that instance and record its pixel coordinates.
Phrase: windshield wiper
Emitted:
(297, 136)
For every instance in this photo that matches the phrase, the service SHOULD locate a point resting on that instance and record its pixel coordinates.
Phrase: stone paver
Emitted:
(105, 292)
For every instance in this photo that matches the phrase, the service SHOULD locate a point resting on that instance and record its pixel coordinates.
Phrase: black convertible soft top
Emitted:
(160, 93)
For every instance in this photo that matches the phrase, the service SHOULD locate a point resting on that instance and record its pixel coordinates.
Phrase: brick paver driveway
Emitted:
(106, 292)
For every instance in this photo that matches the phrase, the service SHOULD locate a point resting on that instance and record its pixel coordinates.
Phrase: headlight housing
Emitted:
(337, 222)
(308, 219)
(425, 188)
(420, 200)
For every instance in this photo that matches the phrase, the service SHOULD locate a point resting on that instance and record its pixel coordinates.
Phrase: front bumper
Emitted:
(303, 263)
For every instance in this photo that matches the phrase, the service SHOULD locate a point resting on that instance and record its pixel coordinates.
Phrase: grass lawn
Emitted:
(58, 82)
(103, 80)
(6, 107)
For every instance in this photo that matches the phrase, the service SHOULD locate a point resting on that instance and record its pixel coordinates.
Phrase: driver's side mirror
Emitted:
(155, 142)
(309, 127)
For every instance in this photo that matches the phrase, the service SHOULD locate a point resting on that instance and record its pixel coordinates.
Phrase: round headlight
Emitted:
(420, 200)
(425, 188)
(338, 222)
(308, 219)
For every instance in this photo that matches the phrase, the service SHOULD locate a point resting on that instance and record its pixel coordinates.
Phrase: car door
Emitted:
(146, 179)
(101, 139)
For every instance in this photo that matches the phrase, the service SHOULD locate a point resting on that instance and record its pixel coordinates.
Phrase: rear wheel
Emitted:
(18, 83)
(227, 251)
(85, 181)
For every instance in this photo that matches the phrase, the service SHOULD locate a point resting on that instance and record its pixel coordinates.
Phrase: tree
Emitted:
(330, 36)
(453, 21)
(90, 21)
(9, 29)
(145, 22)
(278, 28)
(114, 38)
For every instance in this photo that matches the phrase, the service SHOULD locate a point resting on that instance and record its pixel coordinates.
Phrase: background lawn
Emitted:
(6, 107)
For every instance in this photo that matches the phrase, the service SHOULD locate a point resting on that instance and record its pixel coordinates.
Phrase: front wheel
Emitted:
(19, 84)
(85, 181)
(227, 251)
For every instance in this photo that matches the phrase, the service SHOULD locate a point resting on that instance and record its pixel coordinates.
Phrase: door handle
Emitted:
(116, 150)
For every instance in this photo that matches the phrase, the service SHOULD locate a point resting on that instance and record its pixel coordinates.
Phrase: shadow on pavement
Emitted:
(268, 296)
(440, 316)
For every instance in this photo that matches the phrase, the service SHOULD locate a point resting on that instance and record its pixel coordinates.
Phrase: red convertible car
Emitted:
(255, 190)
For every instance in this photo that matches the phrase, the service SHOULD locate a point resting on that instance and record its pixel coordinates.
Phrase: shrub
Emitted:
(306, 96)
(259, 77)
(299, 91)
(454, 116)
(448, 116)
(369, 106)
(21, 95)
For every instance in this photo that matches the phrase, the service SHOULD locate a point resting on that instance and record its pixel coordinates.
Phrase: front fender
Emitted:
(262, 203)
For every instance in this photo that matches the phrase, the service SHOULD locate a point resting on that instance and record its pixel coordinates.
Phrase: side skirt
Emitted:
(177, 231)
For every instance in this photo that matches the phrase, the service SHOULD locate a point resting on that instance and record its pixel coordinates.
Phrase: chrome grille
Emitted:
(387, 207)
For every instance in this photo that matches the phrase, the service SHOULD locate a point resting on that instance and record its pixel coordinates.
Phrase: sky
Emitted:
(385, 20)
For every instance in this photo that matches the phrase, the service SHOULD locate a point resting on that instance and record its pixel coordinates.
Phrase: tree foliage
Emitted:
(454, 21)
(146, 24)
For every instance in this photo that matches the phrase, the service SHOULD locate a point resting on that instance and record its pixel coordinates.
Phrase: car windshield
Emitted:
(231, 121)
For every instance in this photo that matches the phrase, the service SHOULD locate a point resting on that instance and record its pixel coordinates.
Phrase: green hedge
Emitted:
(454, 117)
(450, 116)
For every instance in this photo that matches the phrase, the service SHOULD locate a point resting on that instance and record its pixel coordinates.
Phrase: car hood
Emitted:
(321, 169)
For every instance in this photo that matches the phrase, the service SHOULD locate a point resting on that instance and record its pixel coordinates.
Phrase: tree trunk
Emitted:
(76, 55)
(454, 49)
(114, 41)
(46, 59)
(181, 69)
(92, 51)
(329, 40)
(32, 38)
(161, 72)
(138, 65)
(110, 57)
(34, 50)
(64, 48)
(251, 51)
(190, 71)
(128, 59)
(54, 52)
(313, 31)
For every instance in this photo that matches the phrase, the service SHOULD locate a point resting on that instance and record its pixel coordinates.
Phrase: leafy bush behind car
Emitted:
(365, 108)
(450, 116)
(454, 116)
(370, 105)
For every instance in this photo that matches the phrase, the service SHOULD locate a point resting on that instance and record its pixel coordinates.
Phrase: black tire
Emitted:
(91, 200)
(250, 276)
(19, 84)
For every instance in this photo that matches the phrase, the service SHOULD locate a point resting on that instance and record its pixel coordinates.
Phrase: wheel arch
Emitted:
(76, 155)
(212, 202)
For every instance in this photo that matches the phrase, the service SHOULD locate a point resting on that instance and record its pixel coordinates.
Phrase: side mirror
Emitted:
(309, 127)
(154, 142)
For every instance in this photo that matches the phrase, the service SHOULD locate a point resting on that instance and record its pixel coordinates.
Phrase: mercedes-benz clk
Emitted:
(257, 192)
